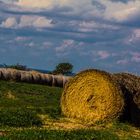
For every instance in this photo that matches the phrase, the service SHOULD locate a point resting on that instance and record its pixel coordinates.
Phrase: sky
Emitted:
(101, 34)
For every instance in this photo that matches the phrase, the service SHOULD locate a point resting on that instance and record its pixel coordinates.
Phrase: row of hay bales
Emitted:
(33, 77)
(98, 96)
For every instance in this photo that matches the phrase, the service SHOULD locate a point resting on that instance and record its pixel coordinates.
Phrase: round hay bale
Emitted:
(45, 79)
(92, 96)
(6, 74)
(26, 77)
(15, 75)
(0, 74)
(42, 79)
(135, 110)
(130, 86)
(36, 78)
(129, 81)
(48, 79)
(58, 81)
(65, 80)
(137, 99)
(53, 80)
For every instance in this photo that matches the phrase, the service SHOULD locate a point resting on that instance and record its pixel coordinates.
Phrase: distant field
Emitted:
(32, 112)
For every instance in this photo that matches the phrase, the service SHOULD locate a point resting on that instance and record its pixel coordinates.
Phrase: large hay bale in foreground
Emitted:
(130, 86)
(92, 96)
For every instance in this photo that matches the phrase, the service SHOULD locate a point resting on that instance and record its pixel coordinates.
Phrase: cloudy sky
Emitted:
(103, 34)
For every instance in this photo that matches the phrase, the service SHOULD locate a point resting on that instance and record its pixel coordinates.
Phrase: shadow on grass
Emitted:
(38, 134)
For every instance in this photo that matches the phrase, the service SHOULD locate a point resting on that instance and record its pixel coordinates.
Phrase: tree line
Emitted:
(64, 68)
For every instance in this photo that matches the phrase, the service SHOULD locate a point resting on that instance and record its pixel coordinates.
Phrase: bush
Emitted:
(20, 117)
(17, 66)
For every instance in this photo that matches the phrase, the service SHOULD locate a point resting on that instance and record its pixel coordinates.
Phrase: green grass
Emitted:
(19, 117)
(62, 135)
(32, 112)
(41, 99)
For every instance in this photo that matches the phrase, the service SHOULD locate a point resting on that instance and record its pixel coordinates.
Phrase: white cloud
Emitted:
(110, 9)
(128, 12)
(10, 22)
(66, 45)
(135, 57)
(90, 26)
(37, 3)
(27, 21)
(35, 21)
(20, 38)
(123, 62)
(42, 22)
(121, 11)
(78, 6)
(51, 3)
(45, 46)
(133, 38)
(136, 33)
(103, 54)
(31, 44)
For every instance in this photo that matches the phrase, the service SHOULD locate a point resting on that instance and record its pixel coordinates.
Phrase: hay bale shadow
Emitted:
(130, 86)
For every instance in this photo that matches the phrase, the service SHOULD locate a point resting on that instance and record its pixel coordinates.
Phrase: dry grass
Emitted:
(9, 95)
(92, 96)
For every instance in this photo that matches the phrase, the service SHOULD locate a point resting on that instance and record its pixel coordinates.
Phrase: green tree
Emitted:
(63, 68)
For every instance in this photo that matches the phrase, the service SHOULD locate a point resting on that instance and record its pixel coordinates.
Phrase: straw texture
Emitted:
(92, 96)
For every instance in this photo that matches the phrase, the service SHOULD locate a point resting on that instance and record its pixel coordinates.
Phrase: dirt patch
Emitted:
(3, 133)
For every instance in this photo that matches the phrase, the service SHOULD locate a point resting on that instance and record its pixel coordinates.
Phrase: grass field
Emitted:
(32, 112)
